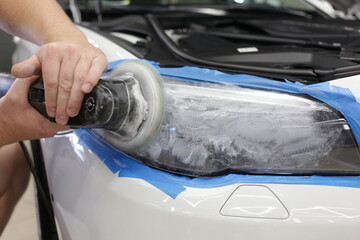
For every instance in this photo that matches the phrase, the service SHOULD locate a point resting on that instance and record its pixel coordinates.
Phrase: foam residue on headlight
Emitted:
(212, 129)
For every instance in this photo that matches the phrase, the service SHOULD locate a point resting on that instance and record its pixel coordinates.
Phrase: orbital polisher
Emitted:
(128, 102)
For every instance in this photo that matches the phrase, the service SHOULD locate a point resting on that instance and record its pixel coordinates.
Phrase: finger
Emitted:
(43, 127)
(98, 67)
(50, 72)
(68, 66)
(20, 89)
(76, 96)
(53, 128)
(27, 68)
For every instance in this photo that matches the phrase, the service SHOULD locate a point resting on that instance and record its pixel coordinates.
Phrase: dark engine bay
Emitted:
(301, 49)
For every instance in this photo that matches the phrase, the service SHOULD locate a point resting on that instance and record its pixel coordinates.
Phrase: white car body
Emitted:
(92, 203)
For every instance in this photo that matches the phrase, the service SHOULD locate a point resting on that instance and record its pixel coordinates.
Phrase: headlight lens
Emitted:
(212, 129)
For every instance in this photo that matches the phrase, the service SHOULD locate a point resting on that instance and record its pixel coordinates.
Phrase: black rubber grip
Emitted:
(98, 107)
(36, 98)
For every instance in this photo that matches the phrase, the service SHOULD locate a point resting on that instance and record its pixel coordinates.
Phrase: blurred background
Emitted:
(7, 47)
(23, 223)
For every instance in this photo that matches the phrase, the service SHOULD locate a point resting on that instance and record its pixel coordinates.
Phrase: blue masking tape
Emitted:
(338, 97)
(173, 185)
(341, 99)
(203, 74)
(125, 166)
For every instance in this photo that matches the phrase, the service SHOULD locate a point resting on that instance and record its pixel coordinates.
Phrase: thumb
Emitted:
(27, 68)
(21, 87)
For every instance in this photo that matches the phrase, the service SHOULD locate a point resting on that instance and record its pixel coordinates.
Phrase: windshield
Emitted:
(281, 4)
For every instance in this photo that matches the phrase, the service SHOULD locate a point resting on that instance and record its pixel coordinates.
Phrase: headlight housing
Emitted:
(211, 129)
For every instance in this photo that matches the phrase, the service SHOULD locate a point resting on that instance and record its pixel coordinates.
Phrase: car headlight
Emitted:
(212, 129)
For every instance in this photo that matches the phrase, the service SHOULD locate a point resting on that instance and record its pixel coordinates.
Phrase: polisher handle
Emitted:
(36, 98)
(96, 110)
(36, 93)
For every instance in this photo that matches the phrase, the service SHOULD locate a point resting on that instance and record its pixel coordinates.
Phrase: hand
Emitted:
(69, 69)
(19, 120)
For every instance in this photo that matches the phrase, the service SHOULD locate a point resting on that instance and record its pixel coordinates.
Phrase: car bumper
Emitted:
(92, 202)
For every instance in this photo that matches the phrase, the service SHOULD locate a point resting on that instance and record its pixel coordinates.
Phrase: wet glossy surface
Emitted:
(93, 203)
(254, 201)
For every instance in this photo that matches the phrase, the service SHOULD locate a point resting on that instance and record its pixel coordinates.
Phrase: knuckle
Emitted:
(51, 83)
(100, 61)
(104, 62)
(50, 49)
(79, 77)
(86, 58)
(66, 86)
(71, 49)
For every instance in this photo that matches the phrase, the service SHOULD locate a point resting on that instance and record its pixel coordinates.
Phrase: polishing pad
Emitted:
(146, 102)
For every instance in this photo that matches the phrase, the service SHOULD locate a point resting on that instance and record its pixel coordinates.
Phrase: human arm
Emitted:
(19, 120)
(39, 21)
(68, 63)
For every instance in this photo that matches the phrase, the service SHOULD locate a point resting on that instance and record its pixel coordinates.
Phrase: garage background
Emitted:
(23, 223)
(6, 49)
